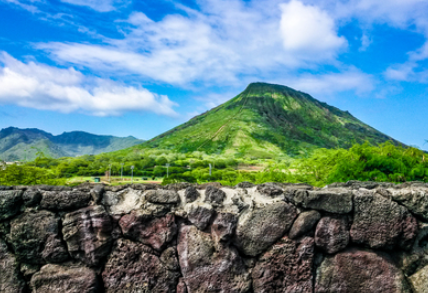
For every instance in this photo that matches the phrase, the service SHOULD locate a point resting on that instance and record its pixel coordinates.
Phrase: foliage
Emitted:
(27, 175)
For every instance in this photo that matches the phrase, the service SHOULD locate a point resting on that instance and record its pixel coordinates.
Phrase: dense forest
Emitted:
(365, 162)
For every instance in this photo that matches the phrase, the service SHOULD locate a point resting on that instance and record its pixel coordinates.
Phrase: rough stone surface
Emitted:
(328, 200)
(133, 267)
(56, 278)
(200, 215)
(304, 223)
(191, 194)
(162, 196)
(210, 268)
(64, 200)
(31, 198)
(332, 234)
(263, 226)
(223, 227)
(9, 203)
(381, 223)
(214, 196)
(285, 267)
(419, 281)
(270, 189)
(97, 193)
(88, 233)
(122, 202)
(35, 238)
(156, 232)
(415, 199)
(355, 271)
(10, 279)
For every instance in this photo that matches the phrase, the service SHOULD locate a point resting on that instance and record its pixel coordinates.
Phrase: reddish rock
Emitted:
(181, 287)
(286, 267)
(133, 267)
(55, 278)
(207, 267)
(331, 234)
(263, 227)
(35, 238)
(88, 233)
(10, 280)
(381, 223)
(356, 271)
(156, 232)
(304, 223)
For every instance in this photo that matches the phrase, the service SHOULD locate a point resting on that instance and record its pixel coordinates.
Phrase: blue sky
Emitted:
(142, 67)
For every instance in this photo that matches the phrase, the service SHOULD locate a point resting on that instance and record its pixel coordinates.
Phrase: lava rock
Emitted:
(56, 278)
(143, 270)
(415, 199)
(223, 227)
(263, 226)
(337, 201)
(191, 194)
(162, 196)
(123, 202)
(97, 192)
(304, 223)
(285, 267)
(88, 233)
(10, 203)
(35, 238)
(31, 198)
(419, 281)
(331, 234)
(381, 223)
(214, 196)
(200, 215)
(64, 200)
(222, 267)
(10, 280)
(355, 271)
(156, 232)
(270, 189)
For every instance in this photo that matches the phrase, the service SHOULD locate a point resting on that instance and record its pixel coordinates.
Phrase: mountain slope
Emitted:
(267, 121)
(24, 144)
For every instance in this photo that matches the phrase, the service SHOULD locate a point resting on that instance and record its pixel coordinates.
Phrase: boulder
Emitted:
(191, 194)
(419, 281)
(207, 267)
(35, 238)
(156, 232)
(285, 267)
(31, 198)
(263, 226)
(133, 267)
(200, 215)
(122, 202)
(88, 233)
(223, 227)
(415, 199)
(97, 192)
(162, 196)
(304, 223)
(355, 271)
(381, 223)
(337, 201)
(64, 200)
(332, 234)
(10, 203)
(56, 278)
(214, 196)
(270, 189)
(10, 280)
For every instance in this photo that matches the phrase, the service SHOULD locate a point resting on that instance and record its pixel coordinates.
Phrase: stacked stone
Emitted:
(347, 237)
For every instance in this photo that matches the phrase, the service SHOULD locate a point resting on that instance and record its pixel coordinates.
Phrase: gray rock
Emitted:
(356, 271)
(200, 215)
(35, 238)
(56, 278)
(191, 194)
(97, 193)
(223, 227)
(31, 198)
(337, 201)
(419, 281)
(10, 203)
(263, 226)
(214, 196)
(304, 223)
(162, 196)
(415, 199)
(88, 233)
(270, 189)
(123, 202)
(381, 223)
(64, 200)
(10, 280)
(332, 234)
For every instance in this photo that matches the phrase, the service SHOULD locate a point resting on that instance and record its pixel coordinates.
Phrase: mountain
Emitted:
(24, 144)
(265, 121)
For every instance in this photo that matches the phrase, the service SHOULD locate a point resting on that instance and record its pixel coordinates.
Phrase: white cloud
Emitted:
(309, 30)
(44, 87)
(220, 44)
(98, 5)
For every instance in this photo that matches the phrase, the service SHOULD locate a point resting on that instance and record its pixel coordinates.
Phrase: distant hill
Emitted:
(23, 144)
(267, 120)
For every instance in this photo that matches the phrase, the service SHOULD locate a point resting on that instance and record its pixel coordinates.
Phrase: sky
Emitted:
(143, 67)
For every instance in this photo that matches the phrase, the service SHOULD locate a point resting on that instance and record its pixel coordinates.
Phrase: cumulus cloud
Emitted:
(44, 87)
(309, 30)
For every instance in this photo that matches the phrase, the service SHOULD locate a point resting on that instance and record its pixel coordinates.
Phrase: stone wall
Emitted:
(348, 237)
